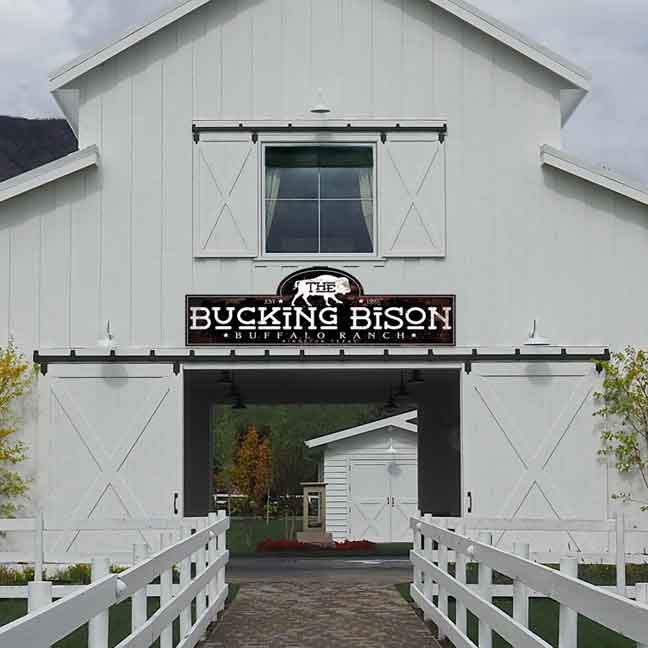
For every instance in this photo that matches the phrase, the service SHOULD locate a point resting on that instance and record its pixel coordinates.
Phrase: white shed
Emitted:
(371, 476)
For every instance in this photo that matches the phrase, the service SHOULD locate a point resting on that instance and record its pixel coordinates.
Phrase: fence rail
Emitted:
(431, 575)
(47, 622)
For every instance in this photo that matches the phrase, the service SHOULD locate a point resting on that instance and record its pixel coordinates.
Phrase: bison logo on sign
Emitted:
(326, 286)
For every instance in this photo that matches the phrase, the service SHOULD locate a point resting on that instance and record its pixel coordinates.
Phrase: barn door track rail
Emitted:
(348, 127)
(421, 360)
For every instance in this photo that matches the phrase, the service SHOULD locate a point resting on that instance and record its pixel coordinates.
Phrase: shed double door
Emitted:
(382, 498)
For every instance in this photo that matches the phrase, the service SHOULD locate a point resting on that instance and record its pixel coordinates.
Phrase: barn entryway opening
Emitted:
(385, 442)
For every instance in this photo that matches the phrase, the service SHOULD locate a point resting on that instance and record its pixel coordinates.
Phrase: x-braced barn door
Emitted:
(383, 497)
(114, 450)
(530, 447)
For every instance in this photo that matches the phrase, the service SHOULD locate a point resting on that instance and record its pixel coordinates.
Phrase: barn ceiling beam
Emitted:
(421, 360)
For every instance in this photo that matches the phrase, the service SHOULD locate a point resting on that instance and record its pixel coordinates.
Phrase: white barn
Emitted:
(408, 152)
(371, 479)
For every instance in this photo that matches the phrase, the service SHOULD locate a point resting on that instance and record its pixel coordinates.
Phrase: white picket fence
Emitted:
(432, 579)
(47, 622)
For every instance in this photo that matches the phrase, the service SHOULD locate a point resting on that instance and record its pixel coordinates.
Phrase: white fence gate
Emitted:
(432, 579)
(47, 622)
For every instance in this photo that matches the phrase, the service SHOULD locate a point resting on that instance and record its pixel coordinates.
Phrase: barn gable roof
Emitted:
(568, 163)
(401, 421)
(578, 80)
(65, 166)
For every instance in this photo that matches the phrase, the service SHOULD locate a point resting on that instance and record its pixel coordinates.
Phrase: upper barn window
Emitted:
(319, 199)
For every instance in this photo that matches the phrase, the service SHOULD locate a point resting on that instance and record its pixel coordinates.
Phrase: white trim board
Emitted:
(399, 420)
(573, 74)
(47, 173)
(568, 163)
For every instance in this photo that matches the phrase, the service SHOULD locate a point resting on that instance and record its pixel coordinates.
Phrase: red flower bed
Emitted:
(294, 545)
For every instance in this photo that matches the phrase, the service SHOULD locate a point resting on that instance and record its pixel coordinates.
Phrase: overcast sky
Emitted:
(610, 38)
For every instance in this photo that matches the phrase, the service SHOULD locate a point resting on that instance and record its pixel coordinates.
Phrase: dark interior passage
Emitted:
(435, 393)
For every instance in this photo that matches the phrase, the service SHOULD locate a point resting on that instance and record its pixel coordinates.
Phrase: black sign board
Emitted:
(320, 306)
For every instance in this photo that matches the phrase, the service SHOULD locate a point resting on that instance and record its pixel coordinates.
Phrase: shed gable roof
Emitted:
(575, 76)
(401, 421)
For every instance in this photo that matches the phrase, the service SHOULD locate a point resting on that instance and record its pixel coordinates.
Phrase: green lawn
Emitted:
(543, 620)
(120, 620)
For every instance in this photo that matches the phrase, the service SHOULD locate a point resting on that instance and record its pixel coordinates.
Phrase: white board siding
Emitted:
(337, 497)
(132, 233)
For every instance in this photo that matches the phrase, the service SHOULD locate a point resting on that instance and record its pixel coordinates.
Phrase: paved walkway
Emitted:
(319, 615)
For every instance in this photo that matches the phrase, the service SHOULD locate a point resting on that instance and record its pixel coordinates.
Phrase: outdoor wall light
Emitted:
(535, 339)
(391, 450)
(109, 343)
(320, 108)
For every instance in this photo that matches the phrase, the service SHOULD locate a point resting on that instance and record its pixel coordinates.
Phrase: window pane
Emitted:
(291, 226)
(350, 183)
(291, 172)
(346, 226)
(346, 156)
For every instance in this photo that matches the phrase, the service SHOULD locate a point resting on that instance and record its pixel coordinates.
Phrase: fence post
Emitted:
(39, 596)
(418, 573)
(166, 591)
(520, 590)
(442, 562)
(201, 602)
(212, 557)
(460, 577)
(428, 544)
(39, 558)
(568, 623)
(185, 577)
(139, 612)
(620, 554)
(98, 626)
(222, 548)
(642, 597)
(485, 588)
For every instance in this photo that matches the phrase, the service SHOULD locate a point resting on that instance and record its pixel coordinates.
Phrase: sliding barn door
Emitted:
(529, 448)
(113, 450)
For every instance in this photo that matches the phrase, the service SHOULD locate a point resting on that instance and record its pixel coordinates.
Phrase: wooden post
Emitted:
(139, 612)
(568, 623)
(39, 557)
(520, 590)
(485, 588)
(98, 626)
(166, 591)
(442, 562)
(185, 577)
(427, 577)
(222, 547)
(39, 596)
(418, 574)
(620, 554)
(212, 556)
(642, 597)
(460, 576)
(201, 559)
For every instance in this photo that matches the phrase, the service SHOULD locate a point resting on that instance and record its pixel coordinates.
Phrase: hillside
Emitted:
(28, 143)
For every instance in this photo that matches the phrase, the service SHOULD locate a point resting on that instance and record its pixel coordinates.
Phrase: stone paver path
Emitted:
(319, 615)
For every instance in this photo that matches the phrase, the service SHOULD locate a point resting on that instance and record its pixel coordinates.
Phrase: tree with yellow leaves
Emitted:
(253, 471)
(16, 379)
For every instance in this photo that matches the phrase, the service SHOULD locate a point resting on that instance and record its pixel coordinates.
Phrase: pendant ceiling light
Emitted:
(402, 390)
(416, 377)
(390, 405)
